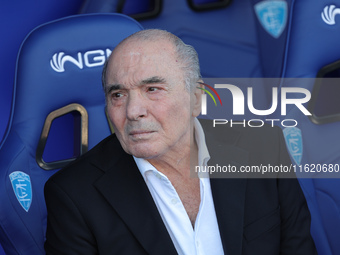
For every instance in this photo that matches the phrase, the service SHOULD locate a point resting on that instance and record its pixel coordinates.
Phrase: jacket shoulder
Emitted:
(91, 163)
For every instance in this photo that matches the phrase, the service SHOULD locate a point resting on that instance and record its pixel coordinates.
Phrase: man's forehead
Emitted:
(134, 62)
(131, 57)
(143, 54)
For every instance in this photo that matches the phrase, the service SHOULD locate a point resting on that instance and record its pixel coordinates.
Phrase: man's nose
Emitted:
(136, 107)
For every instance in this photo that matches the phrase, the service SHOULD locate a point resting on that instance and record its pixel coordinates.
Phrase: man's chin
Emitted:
(143, 155)
(140, 151)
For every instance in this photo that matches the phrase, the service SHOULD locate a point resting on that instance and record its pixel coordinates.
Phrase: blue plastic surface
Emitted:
(231, 42)
(17, 19)
(47, 80)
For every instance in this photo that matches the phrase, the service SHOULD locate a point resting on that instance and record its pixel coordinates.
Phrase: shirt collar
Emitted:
(203, 153)
(144, 166)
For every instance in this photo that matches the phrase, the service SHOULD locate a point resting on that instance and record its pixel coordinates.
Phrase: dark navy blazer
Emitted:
(100, 204)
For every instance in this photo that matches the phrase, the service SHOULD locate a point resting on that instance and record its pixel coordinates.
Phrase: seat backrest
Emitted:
(57, 83)
(222, 32)
(16, 23)
(312, 52)
(271, 26)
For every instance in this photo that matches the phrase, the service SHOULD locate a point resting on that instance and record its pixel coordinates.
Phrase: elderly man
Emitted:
(134, 193)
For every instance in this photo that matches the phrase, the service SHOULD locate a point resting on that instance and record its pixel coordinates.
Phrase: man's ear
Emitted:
(198, 92)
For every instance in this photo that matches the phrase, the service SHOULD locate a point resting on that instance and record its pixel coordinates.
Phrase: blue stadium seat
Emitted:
(18, 18)
(271, 19)
(225, 37)
(311, 59)
(58, 113)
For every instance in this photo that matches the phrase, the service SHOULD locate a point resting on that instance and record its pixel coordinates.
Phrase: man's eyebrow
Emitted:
(111, 87)
(152, 80)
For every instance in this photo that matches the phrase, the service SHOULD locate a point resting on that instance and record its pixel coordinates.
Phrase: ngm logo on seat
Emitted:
(328, 14)
(90, 59)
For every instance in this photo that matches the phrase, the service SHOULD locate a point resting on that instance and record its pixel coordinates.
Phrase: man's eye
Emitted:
(151, 89)
(117, 95)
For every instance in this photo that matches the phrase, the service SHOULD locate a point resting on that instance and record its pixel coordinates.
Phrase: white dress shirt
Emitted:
(205, 237)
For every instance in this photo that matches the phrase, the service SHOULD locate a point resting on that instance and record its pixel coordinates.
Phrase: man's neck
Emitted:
(181, 160)
(179, 164)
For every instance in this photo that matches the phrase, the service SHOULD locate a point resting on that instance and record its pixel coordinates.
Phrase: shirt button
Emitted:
(174, 201)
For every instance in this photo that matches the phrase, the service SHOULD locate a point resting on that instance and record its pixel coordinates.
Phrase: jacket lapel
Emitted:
(229, 198)
(228, 192)
(124, 188)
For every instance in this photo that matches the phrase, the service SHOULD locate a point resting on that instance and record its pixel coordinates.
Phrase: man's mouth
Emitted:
(141, 134)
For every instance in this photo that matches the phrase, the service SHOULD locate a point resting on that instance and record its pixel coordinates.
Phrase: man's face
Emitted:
(147, 103)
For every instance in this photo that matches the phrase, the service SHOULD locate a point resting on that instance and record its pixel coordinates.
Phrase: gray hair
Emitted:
(186, 53)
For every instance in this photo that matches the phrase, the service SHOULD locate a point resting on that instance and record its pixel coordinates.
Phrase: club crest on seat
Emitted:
(21, 184)
(272, 16)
